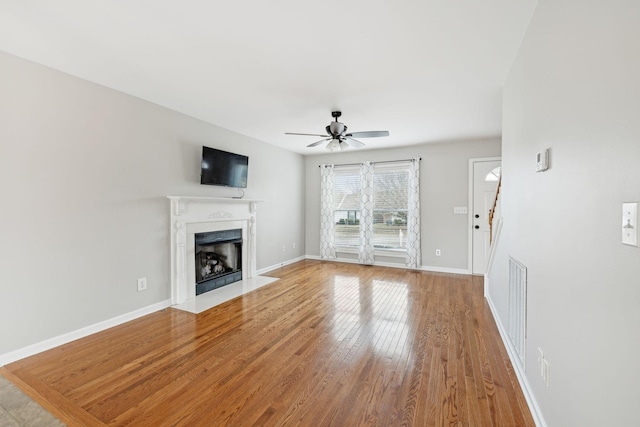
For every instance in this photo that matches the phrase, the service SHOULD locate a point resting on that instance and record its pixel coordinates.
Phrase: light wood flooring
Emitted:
(329, 344)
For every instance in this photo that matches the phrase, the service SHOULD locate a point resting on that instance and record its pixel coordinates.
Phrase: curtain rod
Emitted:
(384, 161)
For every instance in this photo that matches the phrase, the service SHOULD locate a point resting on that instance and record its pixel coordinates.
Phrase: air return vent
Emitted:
(518, 306)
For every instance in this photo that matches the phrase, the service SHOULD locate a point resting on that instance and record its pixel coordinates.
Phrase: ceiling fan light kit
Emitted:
(334, 145)
(338, 137)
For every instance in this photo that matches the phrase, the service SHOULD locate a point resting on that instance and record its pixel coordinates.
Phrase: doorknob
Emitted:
(476, 227)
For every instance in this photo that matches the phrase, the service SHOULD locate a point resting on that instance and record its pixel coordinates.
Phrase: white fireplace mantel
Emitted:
(190, 215)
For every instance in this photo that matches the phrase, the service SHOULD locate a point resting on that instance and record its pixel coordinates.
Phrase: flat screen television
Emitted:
(223, 168)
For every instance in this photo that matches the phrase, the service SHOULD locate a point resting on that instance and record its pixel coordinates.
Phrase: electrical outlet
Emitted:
(284, 248)
(142, 284)
(293, 245)
(438, 253)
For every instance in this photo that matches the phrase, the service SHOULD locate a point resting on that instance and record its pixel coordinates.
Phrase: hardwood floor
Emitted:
(328, 344)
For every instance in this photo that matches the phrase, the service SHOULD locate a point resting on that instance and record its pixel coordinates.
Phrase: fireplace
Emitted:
(218, 259)
(235, 219)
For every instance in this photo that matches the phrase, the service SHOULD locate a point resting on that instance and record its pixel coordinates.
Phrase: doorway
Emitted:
(484, 175)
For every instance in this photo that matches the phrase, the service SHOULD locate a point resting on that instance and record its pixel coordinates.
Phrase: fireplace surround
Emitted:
(191, 216)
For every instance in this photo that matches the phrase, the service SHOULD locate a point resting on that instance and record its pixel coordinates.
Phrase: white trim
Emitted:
(80, 333)
(470, 203)
(280, 265)
(394, 265)
(536, 412)
(184, 199)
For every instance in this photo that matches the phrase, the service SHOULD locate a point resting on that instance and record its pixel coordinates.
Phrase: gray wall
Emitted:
(444, 183)
(84, 175)
(574, 88)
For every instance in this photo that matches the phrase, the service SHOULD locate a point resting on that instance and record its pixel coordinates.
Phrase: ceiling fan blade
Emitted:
(369, 134)
(319, 142)
(305, 134)
(353, 142)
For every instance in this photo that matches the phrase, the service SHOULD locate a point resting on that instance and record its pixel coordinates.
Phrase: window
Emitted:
(347, 206)
(494, 175)
(390, 203)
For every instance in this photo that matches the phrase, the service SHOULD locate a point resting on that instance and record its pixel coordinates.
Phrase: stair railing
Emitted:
(493, 210)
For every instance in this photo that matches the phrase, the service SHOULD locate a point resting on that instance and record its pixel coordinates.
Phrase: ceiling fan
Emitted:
(338, 137)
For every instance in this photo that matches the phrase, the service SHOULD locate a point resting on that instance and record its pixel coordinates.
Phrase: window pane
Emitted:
(347, 208)
(390, 233)
(494, 175)
(391, 198)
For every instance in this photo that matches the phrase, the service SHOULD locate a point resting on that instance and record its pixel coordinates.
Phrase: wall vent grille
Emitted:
(518, 307)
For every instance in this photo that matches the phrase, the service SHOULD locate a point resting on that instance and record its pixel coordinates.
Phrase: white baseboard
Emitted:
(446, 270)
(522, 379)
(276, 266)
(355, 261)
(79, 333)
(396, 265)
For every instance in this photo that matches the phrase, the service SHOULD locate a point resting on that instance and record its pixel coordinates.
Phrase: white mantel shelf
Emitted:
(214, 199)
(179, 203)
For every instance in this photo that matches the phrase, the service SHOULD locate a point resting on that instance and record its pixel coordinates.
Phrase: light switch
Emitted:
(630, 223)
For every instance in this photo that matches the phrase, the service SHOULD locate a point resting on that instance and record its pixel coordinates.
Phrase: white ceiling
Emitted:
(425, 70)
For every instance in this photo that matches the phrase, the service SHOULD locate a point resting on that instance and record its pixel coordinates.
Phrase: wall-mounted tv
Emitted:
(223, 168)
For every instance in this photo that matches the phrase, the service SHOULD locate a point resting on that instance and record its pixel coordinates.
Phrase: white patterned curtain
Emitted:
(414, 259)
(327, 217)
(365, 250)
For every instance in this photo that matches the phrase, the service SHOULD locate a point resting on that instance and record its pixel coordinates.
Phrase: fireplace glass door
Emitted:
(218, 259)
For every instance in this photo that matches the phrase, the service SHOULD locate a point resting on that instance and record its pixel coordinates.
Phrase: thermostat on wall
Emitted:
(542, 160)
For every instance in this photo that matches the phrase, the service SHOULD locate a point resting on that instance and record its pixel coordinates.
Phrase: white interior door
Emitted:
(485, 184)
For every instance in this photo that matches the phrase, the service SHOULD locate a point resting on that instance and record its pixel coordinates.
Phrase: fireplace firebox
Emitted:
(218, 259)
